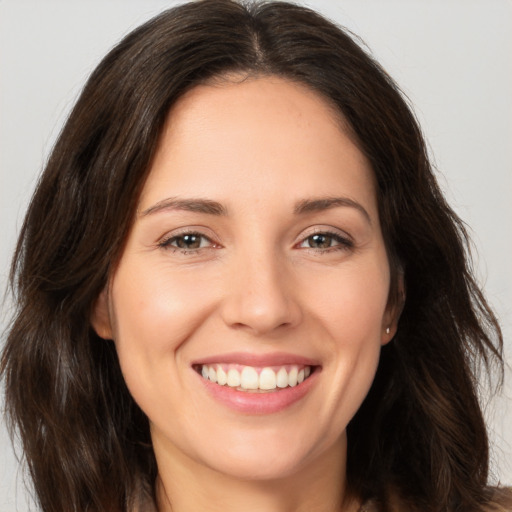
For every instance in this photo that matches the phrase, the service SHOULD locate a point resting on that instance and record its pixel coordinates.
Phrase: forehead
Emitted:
(259, 137)
(233, 89)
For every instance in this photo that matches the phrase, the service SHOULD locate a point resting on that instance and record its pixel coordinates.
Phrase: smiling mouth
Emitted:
(252, 379)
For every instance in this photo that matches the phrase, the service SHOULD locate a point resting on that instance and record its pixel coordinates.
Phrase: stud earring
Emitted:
(387, 330)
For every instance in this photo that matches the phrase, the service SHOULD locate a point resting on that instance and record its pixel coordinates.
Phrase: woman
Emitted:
(240, 286)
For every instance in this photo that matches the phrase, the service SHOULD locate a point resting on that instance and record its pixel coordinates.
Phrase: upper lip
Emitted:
(257, 360)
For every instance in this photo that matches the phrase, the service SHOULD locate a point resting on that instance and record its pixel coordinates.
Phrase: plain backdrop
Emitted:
(453, 59)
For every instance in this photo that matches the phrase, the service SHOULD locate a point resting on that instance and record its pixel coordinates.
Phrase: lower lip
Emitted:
(259, 403)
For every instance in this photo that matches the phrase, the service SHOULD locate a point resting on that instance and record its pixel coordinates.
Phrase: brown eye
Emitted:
(323, 241)
(188, 241)
(320, 241)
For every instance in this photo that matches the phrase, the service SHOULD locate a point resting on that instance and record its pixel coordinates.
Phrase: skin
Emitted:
(259, 285)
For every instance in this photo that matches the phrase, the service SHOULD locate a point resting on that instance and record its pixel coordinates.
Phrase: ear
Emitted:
(100, 316)
(393, 312)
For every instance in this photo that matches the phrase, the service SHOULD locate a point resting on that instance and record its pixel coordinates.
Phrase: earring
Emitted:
(387, 330)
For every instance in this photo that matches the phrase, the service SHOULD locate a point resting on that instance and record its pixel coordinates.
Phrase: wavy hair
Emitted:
(419, 434)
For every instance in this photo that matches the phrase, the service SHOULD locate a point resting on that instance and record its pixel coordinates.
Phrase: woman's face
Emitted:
(256, 260)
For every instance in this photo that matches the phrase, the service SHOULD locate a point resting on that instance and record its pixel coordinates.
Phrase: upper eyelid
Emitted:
(331, 230)
(166, 240)
(343, 242)
(188, 230)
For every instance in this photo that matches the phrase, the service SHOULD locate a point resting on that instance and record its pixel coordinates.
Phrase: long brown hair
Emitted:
(420, 432)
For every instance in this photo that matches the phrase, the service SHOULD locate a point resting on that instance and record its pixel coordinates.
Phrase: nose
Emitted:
(261, 295)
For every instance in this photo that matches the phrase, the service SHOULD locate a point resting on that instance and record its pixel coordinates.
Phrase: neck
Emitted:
(184, 485)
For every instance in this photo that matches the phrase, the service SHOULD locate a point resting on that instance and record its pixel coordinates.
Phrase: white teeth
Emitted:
(292, 376)
(268, 379)
(222, 377)
(248, 378)
(233, 378)
(282, 378)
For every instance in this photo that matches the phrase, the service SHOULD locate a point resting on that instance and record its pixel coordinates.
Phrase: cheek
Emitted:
(352, 314)
(351, 303)
(154, 309)
(152, 316)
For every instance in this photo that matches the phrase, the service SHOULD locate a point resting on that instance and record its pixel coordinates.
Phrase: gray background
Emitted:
(451, 57)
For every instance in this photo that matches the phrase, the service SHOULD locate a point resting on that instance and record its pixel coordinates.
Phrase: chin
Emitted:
(259, 468)
(269, 455)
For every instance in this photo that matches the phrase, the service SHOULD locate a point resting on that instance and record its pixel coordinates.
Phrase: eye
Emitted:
(187, 242)
(326, 240)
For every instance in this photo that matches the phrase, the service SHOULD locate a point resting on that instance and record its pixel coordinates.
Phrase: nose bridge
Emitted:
(260, 294)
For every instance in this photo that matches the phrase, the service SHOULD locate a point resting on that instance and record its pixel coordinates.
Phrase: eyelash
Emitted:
(166, 242)
(343, 243)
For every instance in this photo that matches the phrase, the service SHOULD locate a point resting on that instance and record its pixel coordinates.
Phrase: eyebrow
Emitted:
(190, 205)
(325, 203)
(211, 207)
